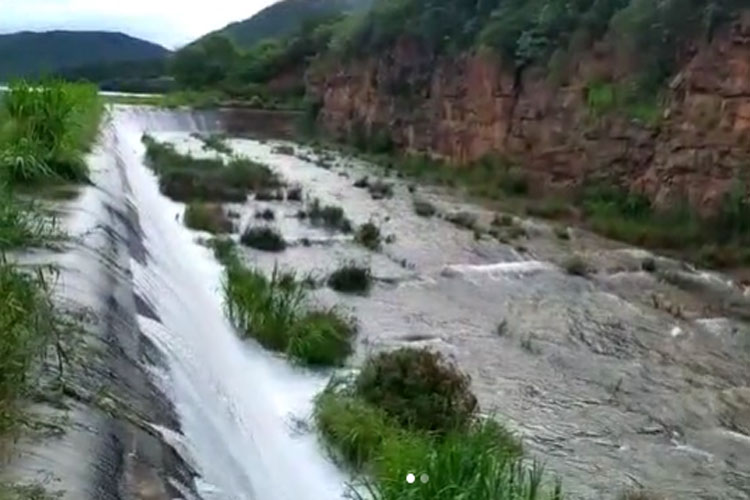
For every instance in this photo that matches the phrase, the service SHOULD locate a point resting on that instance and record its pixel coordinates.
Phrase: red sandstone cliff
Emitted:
(462, 108)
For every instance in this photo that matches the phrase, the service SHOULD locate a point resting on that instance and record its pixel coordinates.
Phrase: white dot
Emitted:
(410, 478)
(424, 478)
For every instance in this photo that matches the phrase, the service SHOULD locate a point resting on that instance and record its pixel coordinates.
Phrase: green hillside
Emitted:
(284, 18)
(31, 54)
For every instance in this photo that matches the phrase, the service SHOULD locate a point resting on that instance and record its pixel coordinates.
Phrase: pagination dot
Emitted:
(424, 478)
(410, 478)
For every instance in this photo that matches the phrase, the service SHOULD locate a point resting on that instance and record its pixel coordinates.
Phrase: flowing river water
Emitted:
(624, 378)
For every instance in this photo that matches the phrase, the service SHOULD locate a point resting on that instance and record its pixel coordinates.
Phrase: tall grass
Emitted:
(27, 320)
(22, 223)
(46, 129)
(276, 312)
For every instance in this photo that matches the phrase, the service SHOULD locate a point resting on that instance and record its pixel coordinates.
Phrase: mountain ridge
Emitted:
(30, 54)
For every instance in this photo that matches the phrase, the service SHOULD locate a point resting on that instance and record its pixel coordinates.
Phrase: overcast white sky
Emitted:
(169, 22)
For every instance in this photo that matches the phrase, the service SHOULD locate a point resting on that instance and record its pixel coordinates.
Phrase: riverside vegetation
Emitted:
(45, 131)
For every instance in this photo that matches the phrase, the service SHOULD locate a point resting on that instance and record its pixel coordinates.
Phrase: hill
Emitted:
(30, 54)
(284, 18)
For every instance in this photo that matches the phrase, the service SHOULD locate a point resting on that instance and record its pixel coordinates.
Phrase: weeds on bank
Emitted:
(46, 129)
(276, 312)
(351, 278)
(207, 217)
(184, 178)
(409, 411)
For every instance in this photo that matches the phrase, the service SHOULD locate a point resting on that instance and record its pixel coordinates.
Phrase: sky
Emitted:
(171, 23)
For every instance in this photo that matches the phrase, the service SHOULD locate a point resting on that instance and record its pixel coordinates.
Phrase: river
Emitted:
(622, 378)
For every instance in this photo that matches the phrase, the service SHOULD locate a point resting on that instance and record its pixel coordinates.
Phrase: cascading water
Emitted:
(237, 404)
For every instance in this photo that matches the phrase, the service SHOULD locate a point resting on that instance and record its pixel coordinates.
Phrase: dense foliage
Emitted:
(648, 38)
(284, 18)
(29, 54)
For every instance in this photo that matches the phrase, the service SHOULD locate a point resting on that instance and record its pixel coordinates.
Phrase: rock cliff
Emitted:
(463, 107)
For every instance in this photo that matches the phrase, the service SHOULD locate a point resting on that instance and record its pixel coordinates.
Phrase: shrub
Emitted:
(294, 193)
(217, 143)
(207, 217)
(576, 266)
(351, 278)
(648, 264)
(362, 182)
(503, 220)
(265, 214)
(418, 389)
(268, 195)
(465, 220)
(368, 235)
(380, 189)
(329, 216)
(424, 208)
(263, 238)
(284, 149)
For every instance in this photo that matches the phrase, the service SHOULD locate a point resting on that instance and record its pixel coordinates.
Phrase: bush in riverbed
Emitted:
(216, 142)
(184, 178)
(424, 208)
(380, 189)
(480, 460)
(329, 216)
(266, 214)
(419, 389)
(321, 338)
(294, 193)
(576, 266)
(275, 312)
(263, 238)
(207, 217)
(351, 278)
(368, 235)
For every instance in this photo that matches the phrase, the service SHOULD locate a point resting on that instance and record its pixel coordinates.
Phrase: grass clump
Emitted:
(464, 220)
(418, 388)
(294, 193)
(275, 312)
(351, 278)
(576, 266)
(216, 142)
(368, 235)
(184, 178)
(22, 224)
(46, 129)
(266, 214)
(27, 323)
(263, 238)
(380, 189)
(400, 419)
(329, 216)
(207, 217)
(225, 250)
(424, 208)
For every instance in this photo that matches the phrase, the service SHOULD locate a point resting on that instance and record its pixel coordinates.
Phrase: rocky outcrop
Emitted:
(464, 107)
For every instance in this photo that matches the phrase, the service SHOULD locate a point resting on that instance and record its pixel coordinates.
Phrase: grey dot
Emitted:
(424, 478)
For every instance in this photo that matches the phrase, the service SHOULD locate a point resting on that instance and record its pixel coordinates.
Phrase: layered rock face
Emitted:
(464, 107)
